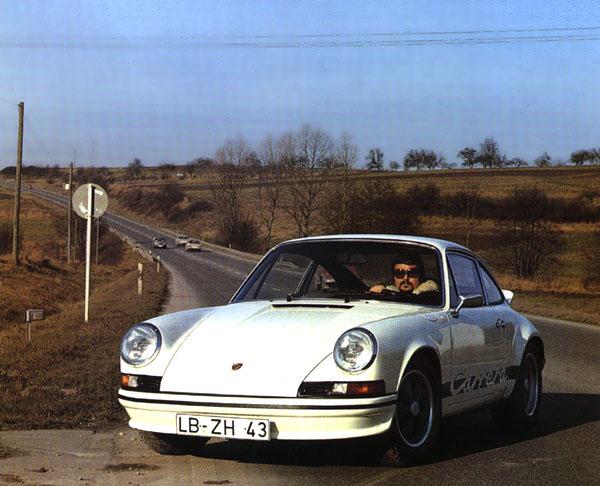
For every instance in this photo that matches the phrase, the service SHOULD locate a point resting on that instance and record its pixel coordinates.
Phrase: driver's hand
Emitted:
(377, 289)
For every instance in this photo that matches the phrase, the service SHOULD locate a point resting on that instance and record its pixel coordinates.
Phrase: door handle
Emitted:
(500, 324)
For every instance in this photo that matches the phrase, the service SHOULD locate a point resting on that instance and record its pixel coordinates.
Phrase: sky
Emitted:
(169, 81)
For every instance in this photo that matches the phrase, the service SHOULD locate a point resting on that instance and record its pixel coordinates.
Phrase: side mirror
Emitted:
(466, 301)
(508, 296)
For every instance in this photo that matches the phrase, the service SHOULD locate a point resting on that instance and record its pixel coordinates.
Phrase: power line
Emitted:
(376, 39)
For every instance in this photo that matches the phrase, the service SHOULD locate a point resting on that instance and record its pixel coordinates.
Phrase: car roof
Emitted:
(441, 245)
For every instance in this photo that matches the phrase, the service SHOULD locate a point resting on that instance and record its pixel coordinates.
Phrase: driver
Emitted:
(407, 272)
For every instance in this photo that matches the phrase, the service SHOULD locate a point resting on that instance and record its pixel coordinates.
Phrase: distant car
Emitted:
(193, 245)
(315, 346)
(181, 239)
(159, 242)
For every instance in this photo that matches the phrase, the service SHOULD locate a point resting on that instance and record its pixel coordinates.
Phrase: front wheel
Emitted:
(171, 444)
(522, 409)
(418, 415)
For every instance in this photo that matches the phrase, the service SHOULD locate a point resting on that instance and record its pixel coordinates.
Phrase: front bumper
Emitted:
(291, 418)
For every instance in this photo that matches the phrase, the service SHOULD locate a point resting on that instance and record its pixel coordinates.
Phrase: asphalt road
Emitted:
(563, 449)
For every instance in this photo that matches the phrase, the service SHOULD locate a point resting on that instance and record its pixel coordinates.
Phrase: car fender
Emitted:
(174, 329)
(398, 340)
(524, 332)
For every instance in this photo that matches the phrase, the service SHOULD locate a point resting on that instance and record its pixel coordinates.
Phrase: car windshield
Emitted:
(347, 270)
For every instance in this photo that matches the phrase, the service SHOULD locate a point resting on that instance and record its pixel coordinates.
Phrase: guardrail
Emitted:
(139, 249)
(222, 249)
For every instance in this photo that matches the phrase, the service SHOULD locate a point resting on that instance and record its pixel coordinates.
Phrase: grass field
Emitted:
(68, 374)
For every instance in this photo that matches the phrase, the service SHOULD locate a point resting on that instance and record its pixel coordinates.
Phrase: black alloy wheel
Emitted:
(414, 410)
(418, 415)
(521, 410)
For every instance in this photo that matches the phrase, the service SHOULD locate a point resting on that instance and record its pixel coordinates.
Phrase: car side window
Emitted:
(493, 293)
(466, 277)
(453, 291)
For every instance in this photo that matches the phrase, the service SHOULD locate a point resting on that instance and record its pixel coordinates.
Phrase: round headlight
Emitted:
(355, 350)
(141, 344)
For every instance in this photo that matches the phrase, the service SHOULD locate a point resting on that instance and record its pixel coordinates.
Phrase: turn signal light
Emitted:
(351, 389)
(360, 388)
(129, 381)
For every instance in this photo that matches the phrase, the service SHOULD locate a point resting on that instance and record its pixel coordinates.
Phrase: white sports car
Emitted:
(337, 337)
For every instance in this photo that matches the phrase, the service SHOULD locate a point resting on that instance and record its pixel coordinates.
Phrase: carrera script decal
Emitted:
(463, 384)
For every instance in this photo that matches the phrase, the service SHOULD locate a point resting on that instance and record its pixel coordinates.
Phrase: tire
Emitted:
(172, 445)
(417, 418)
(520, 412)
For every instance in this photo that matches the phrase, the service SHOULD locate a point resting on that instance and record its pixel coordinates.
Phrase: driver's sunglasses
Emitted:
(410, 273)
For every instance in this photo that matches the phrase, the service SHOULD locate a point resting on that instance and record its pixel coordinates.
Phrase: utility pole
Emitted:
(18, 186)
(70, 210)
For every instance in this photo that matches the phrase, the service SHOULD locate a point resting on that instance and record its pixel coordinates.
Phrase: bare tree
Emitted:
(469, 157)
(234, 152)
(466, 203)
(528, 232)
(516, 162)
(394, 165)
(337, 211)
(270, 184)
(308, 156)
(227, 189)
(543, 160)
(378, 208)
(422, 159)
(374, 159)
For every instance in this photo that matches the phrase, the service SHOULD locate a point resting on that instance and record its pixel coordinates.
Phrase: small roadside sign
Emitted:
(35, 315)
(80, 200)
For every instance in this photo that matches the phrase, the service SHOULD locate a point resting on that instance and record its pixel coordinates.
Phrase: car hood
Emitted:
(276, 344)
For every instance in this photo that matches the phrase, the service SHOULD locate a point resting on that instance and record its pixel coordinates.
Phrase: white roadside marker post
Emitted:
(157, 264)
(33, 315)
(140, 275)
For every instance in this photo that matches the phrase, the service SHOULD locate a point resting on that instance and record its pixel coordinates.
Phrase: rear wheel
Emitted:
(522, 409)
(170, 444)
(418, 414)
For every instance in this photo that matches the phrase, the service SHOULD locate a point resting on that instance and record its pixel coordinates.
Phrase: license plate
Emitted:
(226, 427)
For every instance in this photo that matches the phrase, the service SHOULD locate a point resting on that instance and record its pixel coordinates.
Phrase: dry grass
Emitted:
(68, 374)
(570, 307)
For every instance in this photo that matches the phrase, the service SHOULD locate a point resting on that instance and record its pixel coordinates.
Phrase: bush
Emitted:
(427, 196)
(378, 208)
(528, 232)
(244, 236)
(163, 201)
(177, 214)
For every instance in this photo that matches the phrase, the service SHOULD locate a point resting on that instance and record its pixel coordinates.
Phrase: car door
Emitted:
(500, 310)
(477, 343)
